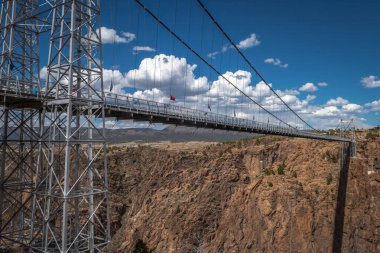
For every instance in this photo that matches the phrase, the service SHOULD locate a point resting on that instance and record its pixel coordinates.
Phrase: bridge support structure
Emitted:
(19, 73)
(346, 128)
(53, 163)
(73, 198)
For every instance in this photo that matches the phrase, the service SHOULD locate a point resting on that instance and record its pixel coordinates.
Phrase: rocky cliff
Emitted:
(261, 195)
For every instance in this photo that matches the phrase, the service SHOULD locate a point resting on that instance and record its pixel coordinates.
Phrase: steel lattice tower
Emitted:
(72, 193)
(19, 119)
(54, 186)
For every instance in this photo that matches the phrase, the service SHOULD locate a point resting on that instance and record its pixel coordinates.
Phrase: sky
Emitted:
(320, 56)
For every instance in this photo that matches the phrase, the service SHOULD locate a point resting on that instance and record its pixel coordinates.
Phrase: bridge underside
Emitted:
(124, 107)
(152, 117)
(19, 100)
(127, 108)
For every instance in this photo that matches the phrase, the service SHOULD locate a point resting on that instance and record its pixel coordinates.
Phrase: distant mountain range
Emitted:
(172, 134)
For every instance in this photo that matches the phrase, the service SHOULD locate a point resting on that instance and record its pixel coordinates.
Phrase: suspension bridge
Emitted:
(53, 165)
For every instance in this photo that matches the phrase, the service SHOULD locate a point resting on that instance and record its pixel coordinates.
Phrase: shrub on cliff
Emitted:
(330, 156)
(371, 136)
(329, 179)
(268, 171)
(281, 169)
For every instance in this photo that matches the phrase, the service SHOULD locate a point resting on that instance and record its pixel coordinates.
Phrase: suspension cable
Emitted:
(248, 62)
(204, 60)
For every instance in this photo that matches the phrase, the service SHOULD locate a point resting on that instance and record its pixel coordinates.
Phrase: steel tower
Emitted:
(53, 167)
(72, 190)
(19, 119)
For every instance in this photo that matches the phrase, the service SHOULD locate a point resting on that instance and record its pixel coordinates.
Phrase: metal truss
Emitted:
(346, 128)
(19, 72)
(53, 173)
(71, 200)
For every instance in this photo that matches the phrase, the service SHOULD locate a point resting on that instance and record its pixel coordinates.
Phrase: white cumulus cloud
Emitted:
(143, 48)
(158, 77)
(374, 105)
(310, 87)
(168, 74)
(43, 73)
(109, 35)
(129, 36)
(337, 101)
(212, 55)
(276, 62)
(322, 84)
(370, 82)
(251, 41)
(224, 49)
(328, 111)
(310, 98)
(352, 108)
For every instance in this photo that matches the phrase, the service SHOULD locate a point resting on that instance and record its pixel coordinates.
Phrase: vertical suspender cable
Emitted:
(187, 56)
(113, 48)
(250, 64)
(135, 53)
(199, 69)
(172, 97)
(209, 83)
(146, 86)
(155, 58)
(203, 59)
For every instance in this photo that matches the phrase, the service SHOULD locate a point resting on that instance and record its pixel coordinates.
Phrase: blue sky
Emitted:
(295, 43)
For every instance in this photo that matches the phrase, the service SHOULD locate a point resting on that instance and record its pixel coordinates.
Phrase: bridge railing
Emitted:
(142, 106)
(19, 87)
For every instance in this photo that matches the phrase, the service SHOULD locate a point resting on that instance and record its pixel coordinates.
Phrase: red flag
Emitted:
(172, 98)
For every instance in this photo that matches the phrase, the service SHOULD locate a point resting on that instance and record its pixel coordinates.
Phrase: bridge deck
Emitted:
(125, 107)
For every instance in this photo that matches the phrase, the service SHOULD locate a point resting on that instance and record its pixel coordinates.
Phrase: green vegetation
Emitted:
(270, 184)
(240, 141)
(370, 136)
(257, 141)
(246, 140)
(330, 156)
(329, 179)
(268, 171)
(281, 169)
(332, 132)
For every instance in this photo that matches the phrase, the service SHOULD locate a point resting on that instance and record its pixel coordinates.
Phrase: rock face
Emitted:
(263, 195)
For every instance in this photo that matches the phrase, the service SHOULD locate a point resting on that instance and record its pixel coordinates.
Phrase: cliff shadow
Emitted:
(341, 203)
